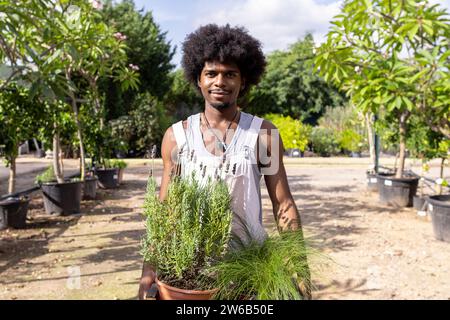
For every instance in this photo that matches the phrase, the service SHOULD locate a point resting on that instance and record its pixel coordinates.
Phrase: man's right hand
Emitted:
(147, 279)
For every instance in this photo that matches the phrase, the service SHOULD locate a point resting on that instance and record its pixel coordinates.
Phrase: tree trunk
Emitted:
(402, 151)
(12, 175)
(79, 133)
(80, 138)
(441, 175)
(61, 157)
(36, 145)
(422, 177)
(370, 136)
(56, 164)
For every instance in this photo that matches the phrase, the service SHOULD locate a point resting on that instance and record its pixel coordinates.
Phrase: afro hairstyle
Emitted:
(224, 44)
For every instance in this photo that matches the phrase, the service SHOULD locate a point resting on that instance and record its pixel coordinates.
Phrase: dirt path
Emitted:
(378, 252)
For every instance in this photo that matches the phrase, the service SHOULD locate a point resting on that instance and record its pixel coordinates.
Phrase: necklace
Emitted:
(221, 143)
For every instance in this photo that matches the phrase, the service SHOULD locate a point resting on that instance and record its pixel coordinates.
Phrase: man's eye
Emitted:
(210, 74)
(231, 74)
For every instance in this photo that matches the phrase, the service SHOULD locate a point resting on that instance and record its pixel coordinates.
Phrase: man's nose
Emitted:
(220, 80)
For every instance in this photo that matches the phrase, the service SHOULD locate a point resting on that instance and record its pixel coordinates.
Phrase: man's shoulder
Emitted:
(185, 121)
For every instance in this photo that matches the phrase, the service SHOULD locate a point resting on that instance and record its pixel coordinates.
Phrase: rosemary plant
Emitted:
(188, 231)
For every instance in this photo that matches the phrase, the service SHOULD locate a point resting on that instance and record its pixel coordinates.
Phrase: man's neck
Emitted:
(220, 117)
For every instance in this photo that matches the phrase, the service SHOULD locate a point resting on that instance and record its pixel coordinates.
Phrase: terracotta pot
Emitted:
(167, 292)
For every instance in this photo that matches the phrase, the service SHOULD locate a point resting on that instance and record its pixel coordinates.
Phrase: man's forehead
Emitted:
(214, 65)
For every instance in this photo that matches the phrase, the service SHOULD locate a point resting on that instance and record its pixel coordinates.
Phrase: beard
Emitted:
(221, 105)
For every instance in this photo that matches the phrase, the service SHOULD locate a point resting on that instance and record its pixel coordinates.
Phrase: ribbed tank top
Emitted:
(237, 167)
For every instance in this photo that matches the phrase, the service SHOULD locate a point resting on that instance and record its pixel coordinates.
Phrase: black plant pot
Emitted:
(108, 178)
(372, 181)
(62, 198)
(15, 210)
(419, 203)
(90, 188)
(397, 192)
(439, 208)
(3, 219)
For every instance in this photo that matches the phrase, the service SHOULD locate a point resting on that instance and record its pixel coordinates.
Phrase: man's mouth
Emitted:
(219, 92)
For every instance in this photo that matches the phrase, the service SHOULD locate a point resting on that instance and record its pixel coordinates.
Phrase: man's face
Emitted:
(220, 84)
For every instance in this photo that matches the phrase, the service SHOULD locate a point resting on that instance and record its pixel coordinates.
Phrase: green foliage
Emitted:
(347, 127)
(391, 58)
(47, 176)
(20, 118)
(143, 127)
(351, 140)
(294, 133)
(290, 86)
(115, 163)
(426, 144)
(324, 141)
(147, 49)
(150, 121)
(58, 113)
(188, 231)
(182, 100)
(267, 271)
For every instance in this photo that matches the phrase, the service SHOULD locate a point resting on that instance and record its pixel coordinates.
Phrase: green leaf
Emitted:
(409, 104)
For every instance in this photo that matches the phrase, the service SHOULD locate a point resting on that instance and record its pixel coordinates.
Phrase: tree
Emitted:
(291, 87)
(148, 51)
(294, 133)
(20, 118)
(74, 43)
(391, 56)
(182, 99)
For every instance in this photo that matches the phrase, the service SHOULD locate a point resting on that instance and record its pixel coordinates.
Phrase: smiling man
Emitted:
(225, 142)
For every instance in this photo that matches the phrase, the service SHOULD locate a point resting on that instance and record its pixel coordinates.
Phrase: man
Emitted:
(223, 141)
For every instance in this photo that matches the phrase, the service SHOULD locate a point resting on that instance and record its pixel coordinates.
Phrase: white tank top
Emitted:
(237, 167)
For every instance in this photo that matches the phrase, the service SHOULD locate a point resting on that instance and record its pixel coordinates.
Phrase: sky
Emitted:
(276, 23)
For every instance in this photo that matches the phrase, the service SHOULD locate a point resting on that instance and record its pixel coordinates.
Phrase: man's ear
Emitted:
(198, 81)
(243, 84)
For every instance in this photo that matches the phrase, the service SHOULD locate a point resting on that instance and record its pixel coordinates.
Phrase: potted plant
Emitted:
(15, 211)
(121, 165)
(439, 204)
(108, 176)
(90, 186)
(20, 116)
(271, 270)
(60, 198)
(185, 234)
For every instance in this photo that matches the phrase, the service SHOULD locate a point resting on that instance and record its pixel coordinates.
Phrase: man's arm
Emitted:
(284, 207)
(168, 149)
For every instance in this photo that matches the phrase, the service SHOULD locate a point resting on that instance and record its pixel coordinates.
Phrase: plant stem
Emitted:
(402, 152)
(56, 163)
(12, 175)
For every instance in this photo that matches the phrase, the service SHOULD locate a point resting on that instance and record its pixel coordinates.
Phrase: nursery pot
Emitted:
(439, 208)
(167, 292)
(3, 219)
(15, 210)
(108, 178)
(62, 198)
(419, 203)
(397, 192)
(89, 188)
(372, 181)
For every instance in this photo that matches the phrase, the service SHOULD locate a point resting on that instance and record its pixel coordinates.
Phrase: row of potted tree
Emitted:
(392, 60)
(52, 55)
